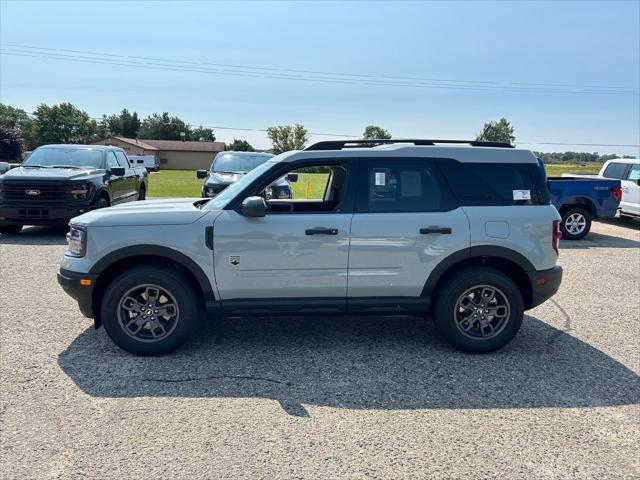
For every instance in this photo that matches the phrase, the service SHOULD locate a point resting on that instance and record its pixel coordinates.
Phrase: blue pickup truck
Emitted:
(580, 200)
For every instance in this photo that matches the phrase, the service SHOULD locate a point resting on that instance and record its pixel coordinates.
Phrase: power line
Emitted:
(309, 76)
(316, 72)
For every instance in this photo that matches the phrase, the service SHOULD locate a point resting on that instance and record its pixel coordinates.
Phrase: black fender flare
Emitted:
(477, 251)
(211, 303)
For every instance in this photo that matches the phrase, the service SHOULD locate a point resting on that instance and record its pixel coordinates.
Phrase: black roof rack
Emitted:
(342, 144)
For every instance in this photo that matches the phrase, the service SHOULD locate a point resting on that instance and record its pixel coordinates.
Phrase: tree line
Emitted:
(21, 131)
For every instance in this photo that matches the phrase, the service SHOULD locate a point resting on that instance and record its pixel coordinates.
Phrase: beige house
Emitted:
(170, 154)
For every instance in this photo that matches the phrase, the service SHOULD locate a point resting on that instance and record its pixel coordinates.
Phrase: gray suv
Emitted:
(462, 232)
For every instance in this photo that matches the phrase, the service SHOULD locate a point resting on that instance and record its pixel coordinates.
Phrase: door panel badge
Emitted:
(234, 260)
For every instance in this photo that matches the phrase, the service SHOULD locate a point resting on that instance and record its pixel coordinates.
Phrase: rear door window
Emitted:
(404, 185)
(616, 171)
(491, 184)
(634, 173)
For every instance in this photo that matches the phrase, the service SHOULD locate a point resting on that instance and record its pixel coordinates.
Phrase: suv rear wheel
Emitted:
(150, 310)
(478, 310)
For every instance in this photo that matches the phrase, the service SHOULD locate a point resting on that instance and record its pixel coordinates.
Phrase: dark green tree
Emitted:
(63, 123)
(373, 132)
(17, 118)
(160, 126)
(500, 131)
(11, 143)
(240, 146)
(124, 125)
(206, 134)
(287, 137)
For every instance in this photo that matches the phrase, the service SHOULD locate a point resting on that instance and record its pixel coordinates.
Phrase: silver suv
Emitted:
(464, 234)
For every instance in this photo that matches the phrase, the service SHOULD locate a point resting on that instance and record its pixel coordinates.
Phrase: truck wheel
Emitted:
(576, 223)
(10, 229)
(103, 202)
(142, 193)
(478, 310)
(150, 310)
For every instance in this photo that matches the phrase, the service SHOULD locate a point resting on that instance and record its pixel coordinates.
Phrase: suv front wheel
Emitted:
(478, 310)
(150, 310)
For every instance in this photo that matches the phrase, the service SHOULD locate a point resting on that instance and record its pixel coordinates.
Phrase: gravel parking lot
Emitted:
(326, 397)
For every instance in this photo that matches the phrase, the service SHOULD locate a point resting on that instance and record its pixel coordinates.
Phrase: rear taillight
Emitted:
(556, 235)
(616, 192)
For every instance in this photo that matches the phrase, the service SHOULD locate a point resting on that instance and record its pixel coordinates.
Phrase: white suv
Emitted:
(465, 234)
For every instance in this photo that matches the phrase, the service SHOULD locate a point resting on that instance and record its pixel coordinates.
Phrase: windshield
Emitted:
(232, 190)
(65, 157)
(237, 163)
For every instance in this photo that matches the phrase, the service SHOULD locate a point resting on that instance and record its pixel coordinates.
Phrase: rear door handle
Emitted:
(442, 230)
(321, 231)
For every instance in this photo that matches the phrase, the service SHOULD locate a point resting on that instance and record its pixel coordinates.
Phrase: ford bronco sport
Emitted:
(462, 233)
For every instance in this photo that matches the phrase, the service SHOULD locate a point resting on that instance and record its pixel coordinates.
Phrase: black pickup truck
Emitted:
(58, 182)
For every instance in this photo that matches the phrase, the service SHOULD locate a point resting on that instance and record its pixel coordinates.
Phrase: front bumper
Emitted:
(545, 284)
(41, 214)
(79, 286)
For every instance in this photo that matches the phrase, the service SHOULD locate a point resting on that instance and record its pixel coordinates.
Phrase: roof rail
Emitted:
(342, 144)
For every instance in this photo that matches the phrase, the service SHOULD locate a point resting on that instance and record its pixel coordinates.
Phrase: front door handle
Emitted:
(442, 230)
(321, 231)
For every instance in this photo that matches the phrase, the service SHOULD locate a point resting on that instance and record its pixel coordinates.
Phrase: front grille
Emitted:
(39, 191)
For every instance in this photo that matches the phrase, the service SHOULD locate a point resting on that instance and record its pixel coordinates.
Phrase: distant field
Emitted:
(555, 170)
(183, 183)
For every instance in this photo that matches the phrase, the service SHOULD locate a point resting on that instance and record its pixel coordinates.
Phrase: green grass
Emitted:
(183, 183)
(175, 183)
(555, 170)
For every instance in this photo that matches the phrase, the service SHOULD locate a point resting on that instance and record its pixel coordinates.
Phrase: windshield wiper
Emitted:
(67, 166)
(33, 166)
(224, 171)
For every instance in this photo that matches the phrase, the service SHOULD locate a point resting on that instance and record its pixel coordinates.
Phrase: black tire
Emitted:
(170, 283)
(447, 313)
(142, 193)
(577, 230)
(10, 229)
(103, 202)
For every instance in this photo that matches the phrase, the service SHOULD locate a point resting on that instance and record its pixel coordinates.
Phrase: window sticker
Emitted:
(522, 194)
(380, 179)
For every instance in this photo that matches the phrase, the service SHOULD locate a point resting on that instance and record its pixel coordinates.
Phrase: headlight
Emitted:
(77, 241)
(80, 191)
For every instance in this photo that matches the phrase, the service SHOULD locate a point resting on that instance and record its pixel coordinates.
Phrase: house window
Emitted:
(163, 161)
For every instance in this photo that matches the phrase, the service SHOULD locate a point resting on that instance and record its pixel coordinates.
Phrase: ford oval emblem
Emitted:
(32, 191)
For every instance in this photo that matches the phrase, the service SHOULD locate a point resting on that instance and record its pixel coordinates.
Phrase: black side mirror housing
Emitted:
(117, 171)
(254, 207)
(201, 173)
(292, 177)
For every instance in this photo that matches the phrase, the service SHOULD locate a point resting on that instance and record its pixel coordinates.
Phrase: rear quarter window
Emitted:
(494, 184)
(615, 170)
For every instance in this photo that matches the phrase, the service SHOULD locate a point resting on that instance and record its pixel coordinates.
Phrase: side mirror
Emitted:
(254, 207)
(201, 173)
(292, 177)
(4, 167)
(117, 171)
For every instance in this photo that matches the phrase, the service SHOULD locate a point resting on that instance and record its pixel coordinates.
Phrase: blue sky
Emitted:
(586, 45)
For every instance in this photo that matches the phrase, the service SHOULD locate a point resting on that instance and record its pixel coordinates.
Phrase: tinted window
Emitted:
(491, 184)
(615, 170)
(404, 185)
(122, 158)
